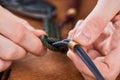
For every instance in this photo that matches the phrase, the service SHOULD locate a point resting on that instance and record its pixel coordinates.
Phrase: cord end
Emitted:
(71, 44)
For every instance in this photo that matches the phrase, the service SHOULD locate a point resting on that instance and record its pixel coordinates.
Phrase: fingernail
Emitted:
(83, 37)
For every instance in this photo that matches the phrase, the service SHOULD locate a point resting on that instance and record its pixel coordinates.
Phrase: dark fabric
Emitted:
(32, 8)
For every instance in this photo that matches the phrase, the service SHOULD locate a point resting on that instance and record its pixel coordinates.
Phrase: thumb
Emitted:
(96, 21)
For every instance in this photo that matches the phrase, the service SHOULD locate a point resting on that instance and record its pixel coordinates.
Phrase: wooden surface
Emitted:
(53, 66)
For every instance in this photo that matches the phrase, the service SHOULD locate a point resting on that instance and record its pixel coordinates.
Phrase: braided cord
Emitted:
(53, 35)
(48, 42)
(52, 28)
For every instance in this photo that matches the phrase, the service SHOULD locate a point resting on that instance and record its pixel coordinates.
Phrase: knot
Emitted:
(48, 42)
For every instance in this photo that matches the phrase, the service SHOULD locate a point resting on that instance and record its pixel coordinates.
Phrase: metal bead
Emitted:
(71, 44)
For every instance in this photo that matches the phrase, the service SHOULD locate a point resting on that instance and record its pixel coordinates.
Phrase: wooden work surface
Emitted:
(52, 66)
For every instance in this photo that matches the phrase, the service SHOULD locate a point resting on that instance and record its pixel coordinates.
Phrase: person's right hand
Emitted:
(87, 32)
(94, 24)
(17, 38)
(104, 52)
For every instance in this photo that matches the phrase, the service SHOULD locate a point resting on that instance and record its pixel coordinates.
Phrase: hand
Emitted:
(17, 38)
(90, 33)
(105, 52)
(96, 21)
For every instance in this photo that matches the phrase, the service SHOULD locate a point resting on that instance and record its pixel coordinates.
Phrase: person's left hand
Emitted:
(105, 53)
(17, 38)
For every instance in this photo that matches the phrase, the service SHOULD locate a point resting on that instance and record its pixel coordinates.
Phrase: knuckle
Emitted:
(78, 24)
(71, 32)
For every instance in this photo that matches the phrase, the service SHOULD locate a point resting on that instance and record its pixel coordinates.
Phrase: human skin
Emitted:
(100, 38)
(104, 52)
(17, 38)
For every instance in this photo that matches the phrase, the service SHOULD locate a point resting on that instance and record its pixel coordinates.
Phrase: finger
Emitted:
(93, 54)
(32, 29)
(4, 65)
(22, 36)
(72, 32)
(36, 32)
(39, 32)
(9, 50)
(80, 65)
(78, 62)
(78, 24)
(96, 21)
(108, 64)
(14, 29)
(103, 43)
(18, 19)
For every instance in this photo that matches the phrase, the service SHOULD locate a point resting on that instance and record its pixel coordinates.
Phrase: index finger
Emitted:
(96, 21)
(20, 35)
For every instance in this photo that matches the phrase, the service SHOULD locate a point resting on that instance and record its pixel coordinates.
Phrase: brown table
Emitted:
(53, 66)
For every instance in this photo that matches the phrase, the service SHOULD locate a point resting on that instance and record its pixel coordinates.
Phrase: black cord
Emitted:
(83, 55)
(86, 59)
(48, 42)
